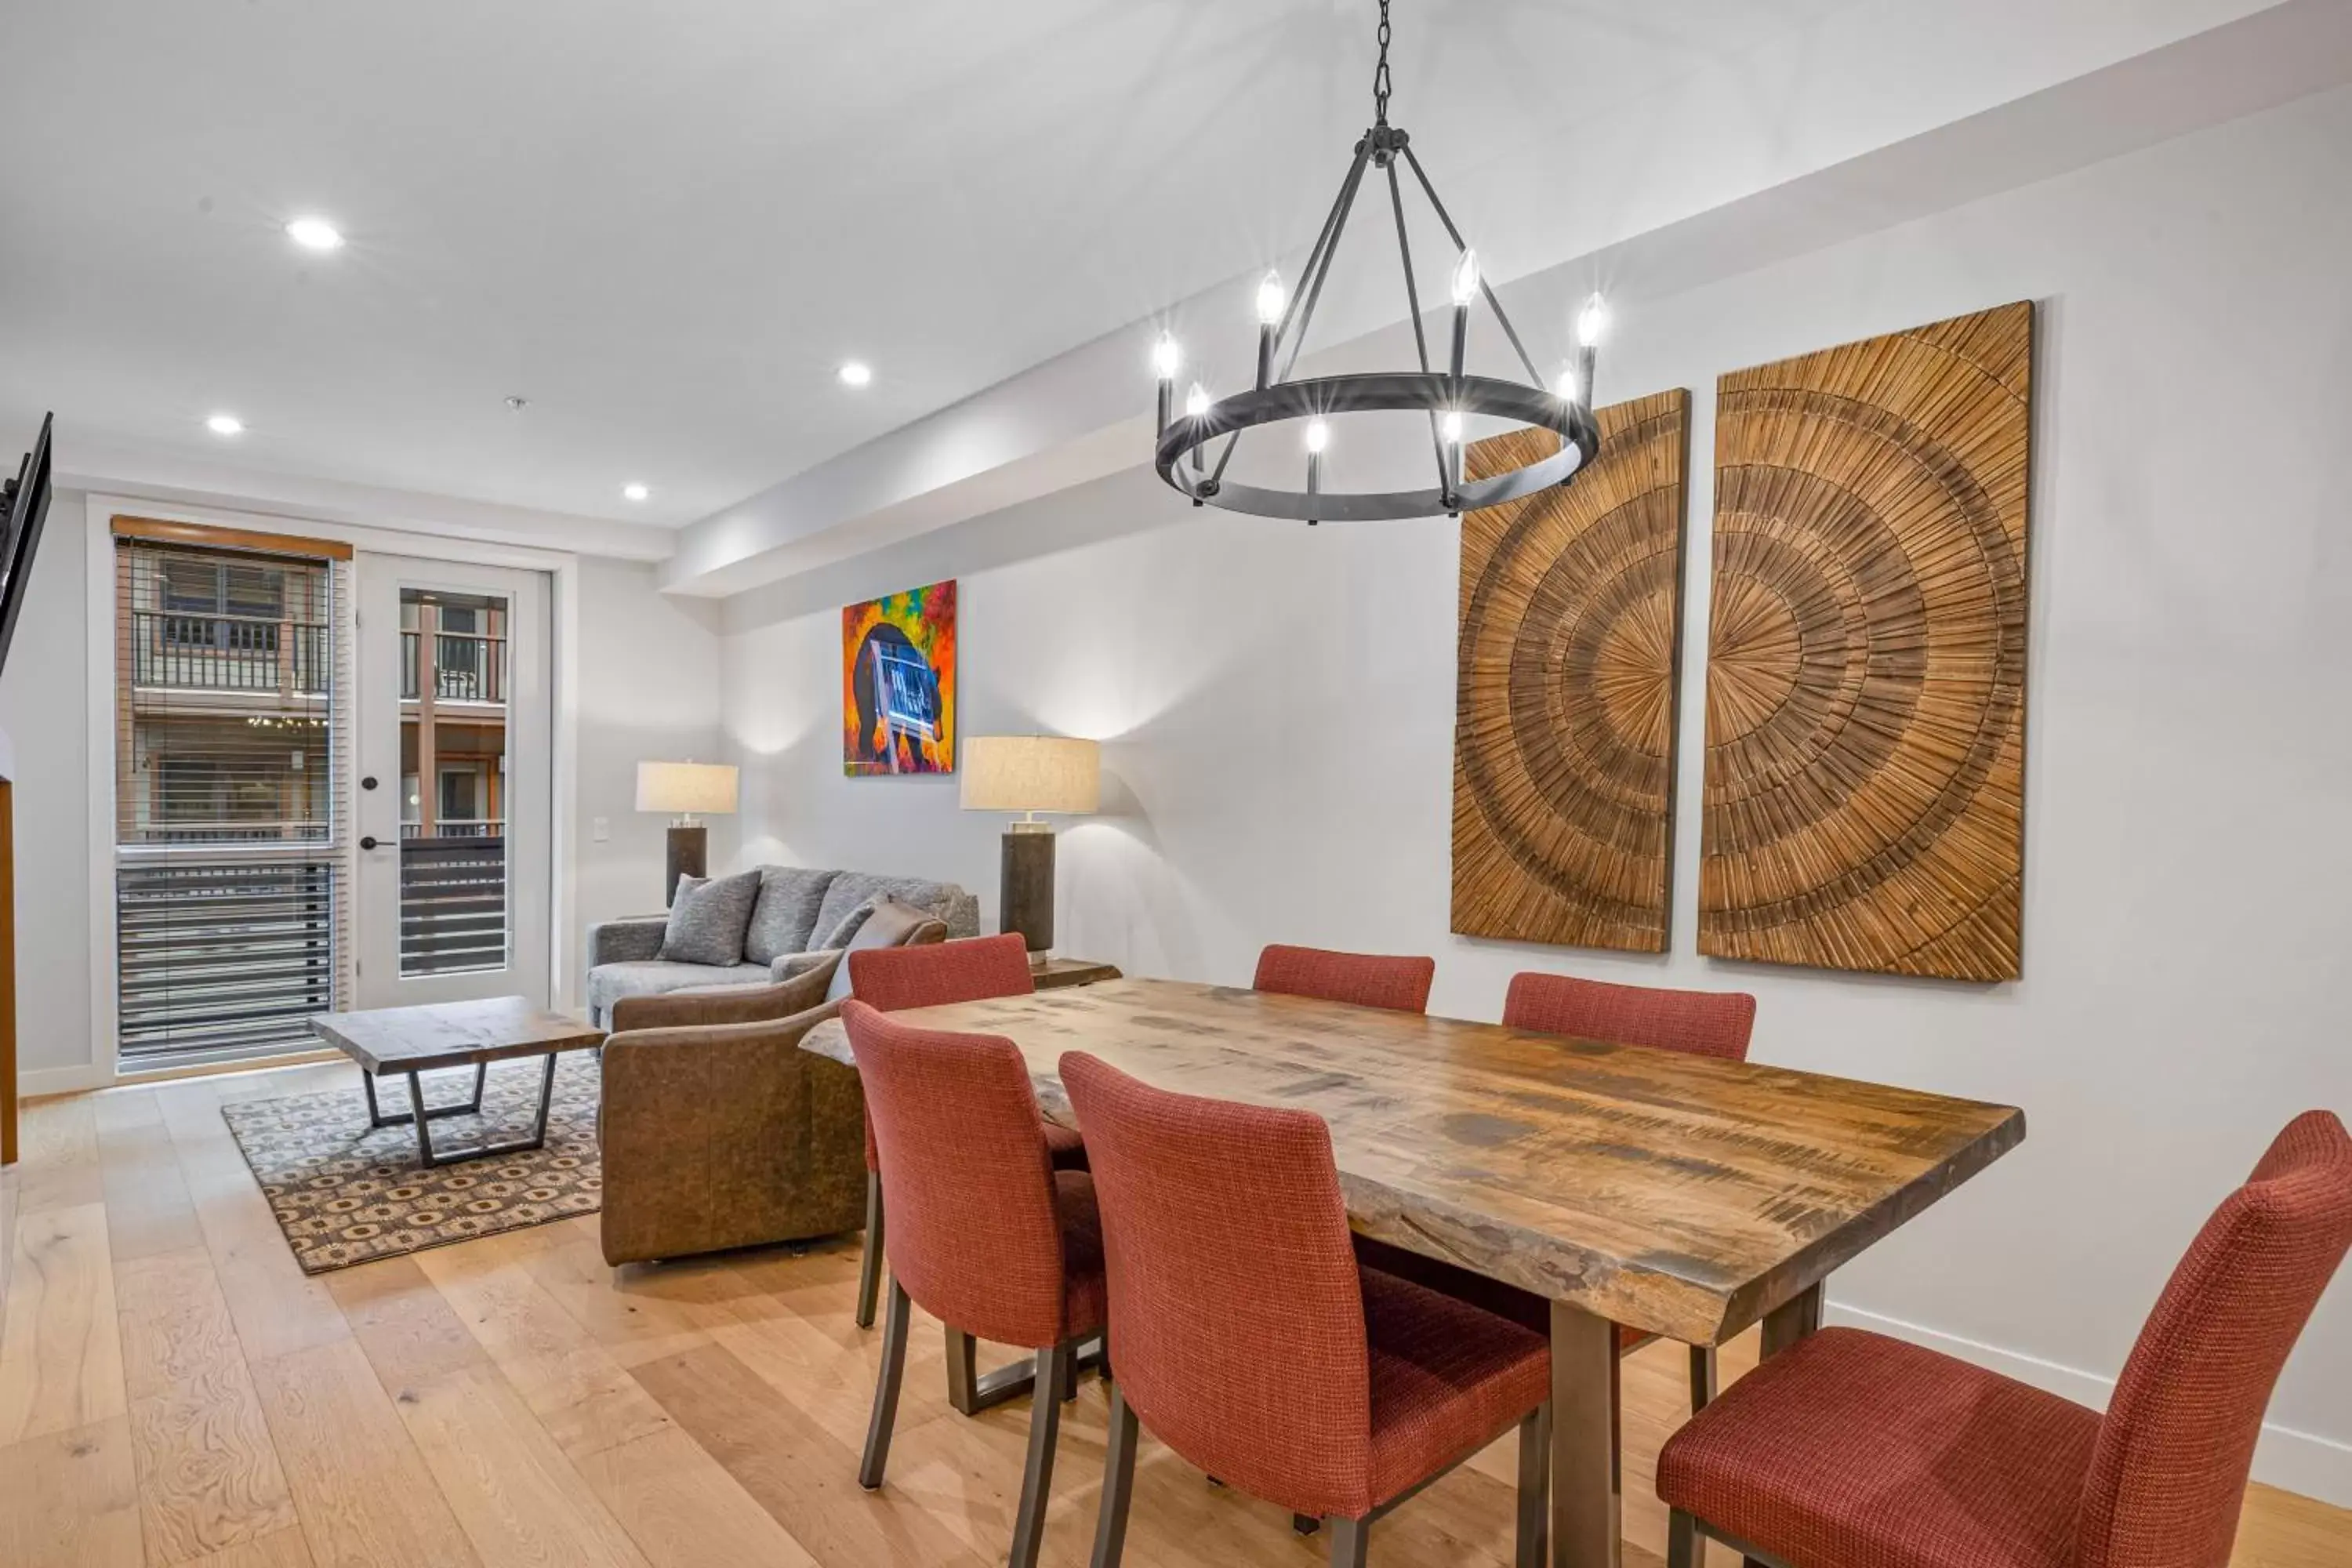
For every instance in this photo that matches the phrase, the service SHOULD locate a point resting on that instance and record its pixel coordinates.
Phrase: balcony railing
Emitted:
(466, 667)
(458, 827)
(453, 904)
(229, 653)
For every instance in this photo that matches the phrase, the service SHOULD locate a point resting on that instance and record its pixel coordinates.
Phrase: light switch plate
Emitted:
(600, 829)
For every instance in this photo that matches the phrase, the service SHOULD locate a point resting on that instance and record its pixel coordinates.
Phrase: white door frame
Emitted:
(378, 580)
(99, 510)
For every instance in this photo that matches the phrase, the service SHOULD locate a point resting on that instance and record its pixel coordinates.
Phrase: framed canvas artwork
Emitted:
(899, 682)
(1866, 678)
(1564, 704)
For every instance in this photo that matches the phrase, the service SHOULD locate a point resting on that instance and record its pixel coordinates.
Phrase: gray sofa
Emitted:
(801, 915)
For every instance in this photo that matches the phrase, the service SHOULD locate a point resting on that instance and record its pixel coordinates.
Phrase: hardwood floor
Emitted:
(174, 1390)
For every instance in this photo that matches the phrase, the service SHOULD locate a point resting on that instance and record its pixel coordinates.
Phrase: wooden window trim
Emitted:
(169, 533)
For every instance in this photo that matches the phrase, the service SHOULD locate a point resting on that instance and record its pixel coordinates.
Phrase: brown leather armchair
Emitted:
(718, 1131)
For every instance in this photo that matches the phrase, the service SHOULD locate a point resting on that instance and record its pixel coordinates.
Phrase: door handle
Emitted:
(368, 842)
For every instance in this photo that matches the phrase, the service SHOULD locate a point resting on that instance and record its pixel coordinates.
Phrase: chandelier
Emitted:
(1446, 395)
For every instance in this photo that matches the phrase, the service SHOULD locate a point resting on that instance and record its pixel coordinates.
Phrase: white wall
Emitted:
(649, 688)
(44, 708)
(1276, 705)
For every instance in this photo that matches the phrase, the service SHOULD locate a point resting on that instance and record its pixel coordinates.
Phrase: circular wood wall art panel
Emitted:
(1865, 693)
(1564, 717)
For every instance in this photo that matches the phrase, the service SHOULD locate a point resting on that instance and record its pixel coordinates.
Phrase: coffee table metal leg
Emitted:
(376, 1117)
(538, 1139)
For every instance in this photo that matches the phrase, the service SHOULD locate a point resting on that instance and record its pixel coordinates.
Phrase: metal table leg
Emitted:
(424, 1120)
(1587, 1504)
(376, 1118)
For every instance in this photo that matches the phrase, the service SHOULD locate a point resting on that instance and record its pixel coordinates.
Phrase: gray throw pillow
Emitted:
(785, 919)
(707, 919)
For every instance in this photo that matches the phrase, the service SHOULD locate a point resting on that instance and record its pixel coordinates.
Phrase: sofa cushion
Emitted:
(608, 982)
(784, 917)
(707, 919)
(855, 893)
(889, 924)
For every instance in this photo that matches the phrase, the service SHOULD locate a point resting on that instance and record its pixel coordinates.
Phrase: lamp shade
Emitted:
(687, 787)
(1031, 772)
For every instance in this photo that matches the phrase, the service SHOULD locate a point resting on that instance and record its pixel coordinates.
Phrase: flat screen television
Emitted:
(28, 501)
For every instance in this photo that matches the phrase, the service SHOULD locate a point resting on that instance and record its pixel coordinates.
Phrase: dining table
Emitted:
(1685, 1196)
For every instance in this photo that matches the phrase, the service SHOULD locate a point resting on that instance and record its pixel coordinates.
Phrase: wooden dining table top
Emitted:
(1680, 1194)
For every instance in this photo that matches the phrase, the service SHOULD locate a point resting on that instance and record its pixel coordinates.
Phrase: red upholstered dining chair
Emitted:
(1367, 980)
(1702, 1023)
(1852, 1450)
(985, 1233)
(1248, 1340)
(967, 971)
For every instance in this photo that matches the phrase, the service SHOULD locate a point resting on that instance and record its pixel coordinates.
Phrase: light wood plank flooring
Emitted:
(173, 1390)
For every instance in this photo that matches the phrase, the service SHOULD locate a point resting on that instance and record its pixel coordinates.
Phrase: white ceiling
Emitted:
(666, 225)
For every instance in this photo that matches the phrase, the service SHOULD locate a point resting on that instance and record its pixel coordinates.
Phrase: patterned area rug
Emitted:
(344, 1193)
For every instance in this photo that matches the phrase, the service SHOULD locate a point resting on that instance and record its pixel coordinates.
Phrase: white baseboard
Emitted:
(2295, 1461)
(62, 1080)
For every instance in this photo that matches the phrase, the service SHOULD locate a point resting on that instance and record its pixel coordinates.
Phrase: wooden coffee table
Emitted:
(413, 1040)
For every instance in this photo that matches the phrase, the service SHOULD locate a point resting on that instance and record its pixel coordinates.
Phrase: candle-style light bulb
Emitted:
(1270, 299)
(1196, 402)
(1167, 358)
(1451, 425)
(1466, 278)
(1591, 323)
(1566, 385)
(1318, 435)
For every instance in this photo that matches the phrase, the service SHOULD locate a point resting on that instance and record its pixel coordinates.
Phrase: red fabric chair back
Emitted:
(896, 978)
(1367, 980)
(1236, 1317)
(1704, 1023)
(974, 1237)
(2169, 1471)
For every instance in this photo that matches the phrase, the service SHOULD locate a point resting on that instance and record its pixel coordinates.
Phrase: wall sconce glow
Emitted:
(636, 492)
(224, 425)
(1167, 358)
(1270, 298)
(856, 373)
(1591, 323)
(1466, 278)
(1196, 402)
(1318, 435)
(314, 234)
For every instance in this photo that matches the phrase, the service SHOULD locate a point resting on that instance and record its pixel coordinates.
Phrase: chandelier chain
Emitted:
(1380, 72)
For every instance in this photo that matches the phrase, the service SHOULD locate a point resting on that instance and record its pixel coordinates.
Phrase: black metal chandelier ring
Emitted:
(1411, 391)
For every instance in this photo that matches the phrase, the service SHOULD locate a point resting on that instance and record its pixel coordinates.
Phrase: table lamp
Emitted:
(1030, 773)
(685, 788)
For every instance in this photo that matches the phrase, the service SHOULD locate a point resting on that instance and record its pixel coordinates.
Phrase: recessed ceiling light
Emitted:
(224, 425)
(856, 373)
(636, 492)
(314, 234)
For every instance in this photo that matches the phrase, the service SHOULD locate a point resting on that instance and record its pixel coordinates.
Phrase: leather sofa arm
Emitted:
(707, 1005)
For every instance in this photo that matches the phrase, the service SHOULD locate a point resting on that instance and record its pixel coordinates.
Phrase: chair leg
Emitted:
(1348, 1539)
(1681, 1539)
(1066, 1373)
(886, 1390)
(1045, 1428)
(1304, 1524)
(1118, 1483)
(870, 1268)
(1702, 1376)
(1534, 1533)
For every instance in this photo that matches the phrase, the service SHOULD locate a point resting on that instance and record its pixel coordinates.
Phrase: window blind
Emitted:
(233, 669)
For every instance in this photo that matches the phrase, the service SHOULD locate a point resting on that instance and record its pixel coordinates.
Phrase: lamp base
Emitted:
(1025, 897)
(689, 856)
